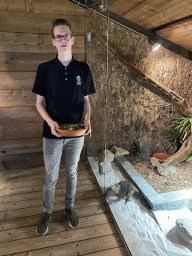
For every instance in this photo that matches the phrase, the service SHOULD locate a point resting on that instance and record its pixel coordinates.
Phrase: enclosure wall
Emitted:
(134, 114)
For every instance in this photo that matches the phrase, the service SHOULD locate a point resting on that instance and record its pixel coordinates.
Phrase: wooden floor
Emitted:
(21, 208)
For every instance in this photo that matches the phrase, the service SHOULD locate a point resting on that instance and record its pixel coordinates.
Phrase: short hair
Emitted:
(59, 22)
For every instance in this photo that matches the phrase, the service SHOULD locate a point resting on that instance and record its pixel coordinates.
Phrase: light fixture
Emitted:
(155, 46)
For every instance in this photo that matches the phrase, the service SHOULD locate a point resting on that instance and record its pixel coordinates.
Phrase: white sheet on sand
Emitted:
(141, 232)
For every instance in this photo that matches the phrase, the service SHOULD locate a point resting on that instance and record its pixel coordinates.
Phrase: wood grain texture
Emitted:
(94, 246)
(25, 42)
(17, 102)
(123, 6)
(17, 94)
(96, 233)
(178, 11)
(17, 80)
(21, 131)
(27, 62)
(181, 34)
(21, 146)
(153, 13)
(35, 43)
(19, 115)
(37, 22)
(44, 6)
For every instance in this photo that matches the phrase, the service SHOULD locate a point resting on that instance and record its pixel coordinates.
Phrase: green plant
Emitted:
(180, 129)
(137, 146)
(187, 158)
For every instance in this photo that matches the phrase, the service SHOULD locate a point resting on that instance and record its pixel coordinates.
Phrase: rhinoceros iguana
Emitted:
(122, 190)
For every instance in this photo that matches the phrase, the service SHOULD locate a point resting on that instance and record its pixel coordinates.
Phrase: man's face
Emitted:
(64, 44)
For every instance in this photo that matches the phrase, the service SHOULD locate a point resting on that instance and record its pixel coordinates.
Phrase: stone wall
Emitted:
(133, 112)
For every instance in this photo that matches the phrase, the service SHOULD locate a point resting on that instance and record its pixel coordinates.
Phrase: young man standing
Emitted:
(64, 85)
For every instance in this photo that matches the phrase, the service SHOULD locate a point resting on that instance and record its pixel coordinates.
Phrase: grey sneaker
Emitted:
(42, 226)
(72, 216)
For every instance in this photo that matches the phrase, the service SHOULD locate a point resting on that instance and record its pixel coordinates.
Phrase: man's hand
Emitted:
(53, 125)
(87, 111)
(87, 125)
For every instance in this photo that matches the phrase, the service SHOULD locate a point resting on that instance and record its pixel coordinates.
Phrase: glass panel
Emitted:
(97, 60)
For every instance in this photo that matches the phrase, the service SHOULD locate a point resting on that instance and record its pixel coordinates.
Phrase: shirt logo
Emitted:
(78, 80)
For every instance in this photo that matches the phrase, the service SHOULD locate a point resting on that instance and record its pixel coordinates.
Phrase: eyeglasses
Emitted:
(59, 38)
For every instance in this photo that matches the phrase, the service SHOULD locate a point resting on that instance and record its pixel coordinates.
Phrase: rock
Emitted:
(184, 230)
(109, 157)
(102, 160)
(162, 170)
(119, 151)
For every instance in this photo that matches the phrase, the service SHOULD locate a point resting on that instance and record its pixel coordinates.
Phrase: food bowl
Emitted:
(161, 157)
(72, 133)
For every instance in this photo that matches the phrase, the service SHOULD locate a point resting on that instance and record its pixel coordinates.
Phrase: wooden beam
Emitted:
(174, 23)
(181, 34)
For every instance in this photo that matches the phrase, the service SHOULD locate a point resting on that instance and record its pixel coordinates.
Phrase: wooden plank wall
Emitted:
(25, 42)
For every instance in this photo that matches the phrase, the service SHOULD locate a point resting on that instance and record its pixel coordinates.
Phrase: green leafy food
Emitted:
(72, 126)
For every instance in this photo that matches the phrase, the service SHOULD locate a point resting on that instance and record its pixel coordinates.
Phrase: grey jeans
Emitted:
(52, 152)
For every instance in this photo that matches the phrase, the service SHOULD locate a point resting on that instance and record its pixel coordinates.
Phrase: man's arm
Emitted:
(43, 112)
(87, 113)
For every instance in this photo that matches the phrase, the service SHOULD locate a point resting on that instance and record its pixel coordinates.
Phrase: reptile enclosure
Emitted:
(138, 92)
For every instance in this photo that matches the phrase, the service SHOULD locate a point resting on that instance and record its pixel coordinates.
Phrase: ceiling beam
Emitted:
(136, 28)
(173, 23)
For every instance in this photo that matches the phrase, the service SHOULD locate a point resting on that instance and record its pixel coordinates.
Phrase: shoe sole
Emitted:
(70, 222)
(72, 226)
(43, 233)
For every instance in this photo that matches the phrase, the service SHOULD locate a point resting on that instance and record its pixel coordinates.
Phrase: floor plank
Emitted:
(21, 208)
(68, 236)
(81, 195)
(58, 223)
(83, 248)
(9, 191)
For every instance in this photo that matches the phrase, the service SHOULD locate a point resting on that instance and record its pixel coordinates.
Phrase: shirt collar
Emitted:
(58, 62)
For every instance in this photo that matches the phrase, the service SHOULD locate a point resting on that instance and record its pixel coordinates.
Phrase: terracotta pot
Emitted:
(72, 133)
(161, 157)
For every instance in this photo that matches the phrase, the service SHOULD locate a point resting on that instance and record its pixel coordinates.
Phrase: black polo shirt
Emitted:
(64, 89)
